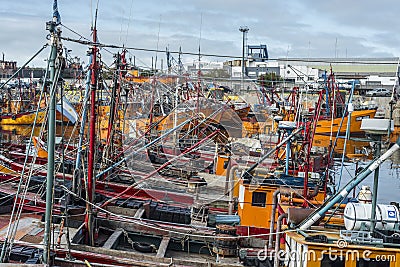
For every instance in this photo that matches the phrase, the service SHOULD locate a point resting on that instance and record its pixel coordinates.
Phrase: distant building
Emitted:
(8, 65)
(204, 67)
(369, 73)
(300, 74)
(7, 68)
(257, 62)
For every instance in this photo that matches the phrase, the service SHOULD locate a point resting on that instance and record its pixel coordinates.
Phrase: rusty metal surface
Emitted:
(27, 223)
(32, 239)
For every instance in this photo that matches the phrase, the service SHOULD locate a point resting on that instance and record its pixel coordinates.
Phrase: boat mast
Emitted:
(54, 37)
(76, 182)
(92, 128)
(310, 129)
(113, 107)
(349, 110)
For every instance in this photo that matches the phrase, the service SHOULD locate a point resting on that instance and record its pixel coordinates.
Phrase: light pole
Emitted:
(244, 30)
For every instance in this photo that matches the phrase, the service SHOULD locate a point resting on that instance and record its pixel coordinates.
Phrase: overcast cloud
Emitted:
(294, 28)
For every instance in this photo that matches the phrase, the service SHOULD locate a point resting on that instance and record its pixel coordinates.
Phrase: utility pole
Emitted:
(244, 30)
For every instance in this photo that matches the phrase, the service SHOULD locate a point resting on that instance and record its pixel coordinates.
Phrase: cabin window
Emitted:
(372, 263)
(258, 199)
(332, 261)
(237, 74)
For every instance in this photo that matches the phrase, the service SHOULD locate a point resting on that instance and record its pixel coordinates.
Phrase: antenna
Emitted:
(244, 30)
(94, 24)
(120, 31)
(308, 56)
(158, 41)
(201, 25)
(180, 61)
(95, 18)
(129, 22)
(336, 55)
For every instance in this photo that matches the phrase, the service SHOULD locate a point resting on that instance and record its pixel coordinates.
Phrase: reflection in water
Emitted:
(396, 160)
(359, 154)
(389, 181)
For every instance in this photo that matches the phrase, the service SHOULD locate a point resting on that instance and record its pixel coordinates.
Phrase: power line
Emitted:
(143, 49)
(81, 36)
(369, 61)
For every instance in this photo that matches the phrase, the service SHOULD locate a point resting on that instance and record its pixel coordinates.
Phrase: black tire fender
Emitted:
(144, 247)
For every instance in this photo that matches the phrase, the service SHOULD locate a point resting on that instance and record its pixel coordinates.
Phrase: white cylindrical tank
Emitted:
(355, 214)
(365, 194)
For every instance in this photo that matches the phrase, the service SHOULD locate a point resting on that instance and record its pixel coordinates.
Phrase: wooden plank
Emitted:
(163, 247)
(112, 239)
(139, 213)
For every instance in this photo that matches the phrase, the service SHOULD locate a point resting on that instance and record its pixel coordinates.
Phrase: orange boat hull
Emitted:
(327, 126)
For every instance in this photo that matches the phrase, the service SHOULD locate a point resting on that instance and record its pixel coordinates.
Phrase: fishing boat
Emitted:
(340, 116)
(21, 109)
(22, 118)
(28, 117)
(361, 235)
(339, 125)
(337, 115)
(147, 200)
(343, 230)
(221, 93)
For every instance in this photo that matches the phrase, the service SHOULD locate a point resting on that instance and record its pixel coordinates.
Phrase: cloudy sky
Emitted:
(294, 28)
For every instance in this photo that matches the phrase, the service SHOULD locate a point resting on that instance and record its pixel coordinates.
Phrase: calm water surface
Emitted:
(389, 179)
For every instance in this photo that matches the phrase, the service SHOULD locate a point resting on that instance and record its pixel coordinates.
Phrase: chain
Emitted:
(130, 241)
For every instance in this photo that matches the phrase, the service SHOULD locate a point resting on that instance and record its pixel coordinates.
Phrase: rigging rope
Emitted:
(21, 204)
(11, 229)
